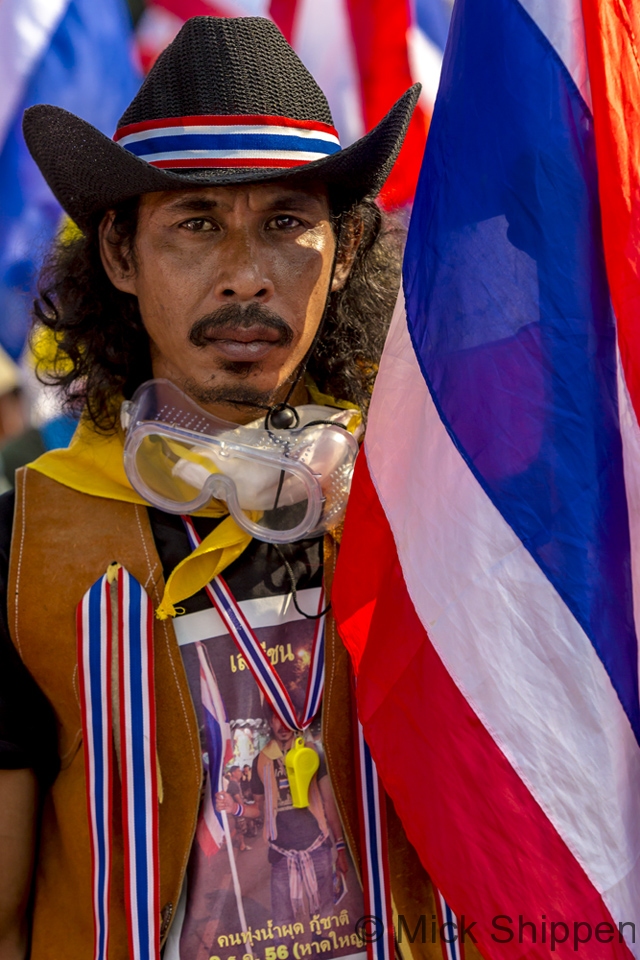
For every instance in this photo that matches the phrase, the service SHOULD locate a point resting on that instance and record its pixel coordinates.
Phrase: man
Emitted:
(231, 248)
(245, 782)
(234, 790)
(293, 833)
(234, 776)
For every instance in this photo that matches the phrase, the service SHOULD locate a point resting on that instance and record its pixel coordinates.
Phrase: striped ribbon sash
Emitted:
(377, 925)
(256, 656)
(115, 626)
(229, 141)
(451, 940)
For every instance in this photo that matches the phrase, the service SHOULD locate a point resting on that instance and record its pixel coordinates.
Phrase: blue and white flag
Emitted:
(426, 40)
(76, 54)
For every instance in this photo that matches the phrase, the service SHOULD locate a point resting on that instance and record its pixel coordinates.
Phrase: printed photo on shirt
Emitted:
(268, 883)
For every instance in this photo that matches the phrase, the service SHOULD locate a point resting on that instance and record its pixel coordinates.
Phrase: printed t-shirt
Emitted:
(207, 922)
(234, 789)
(297, 828)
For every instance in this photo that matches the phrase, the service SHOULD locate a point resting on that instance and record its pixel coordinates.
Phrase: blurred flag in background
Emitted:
(77, 54)
(363, 53)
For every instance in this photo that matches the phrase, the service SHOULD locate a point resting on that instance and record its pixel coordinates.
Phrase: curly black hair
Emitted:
(103, 349)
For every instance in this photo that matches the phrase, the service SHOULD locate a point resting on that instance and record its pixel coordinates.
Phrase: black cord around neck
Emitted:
(294, 590)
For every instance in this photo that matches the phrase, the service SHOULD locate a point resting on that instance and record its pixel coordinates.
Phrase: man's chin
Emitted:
(234, 394)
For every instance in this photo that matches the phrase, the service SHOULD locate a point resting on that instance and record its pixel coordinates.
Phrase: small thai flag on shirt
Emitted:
(217, 737)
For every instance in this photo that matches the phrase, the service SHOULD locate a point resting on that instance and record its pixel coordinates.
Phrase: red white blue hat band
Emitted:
(229, 141)
(234, 72)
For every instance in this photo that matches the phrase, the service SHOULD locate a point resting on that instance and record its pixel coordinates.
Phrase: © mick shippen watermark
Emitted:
(503, 929)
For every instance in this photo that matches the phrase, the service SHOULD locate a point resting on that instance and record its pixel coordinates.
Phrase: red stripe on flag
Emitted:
(483, 838)
(283, 12)
(612, 28)
(379, 31)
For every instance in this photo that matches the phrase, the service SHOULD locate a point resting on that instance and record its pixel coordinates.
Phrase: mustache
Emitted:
(234, 317)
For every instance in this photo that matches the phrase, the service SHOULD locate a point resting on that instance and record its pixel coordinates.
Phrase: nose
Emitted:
(242, 277)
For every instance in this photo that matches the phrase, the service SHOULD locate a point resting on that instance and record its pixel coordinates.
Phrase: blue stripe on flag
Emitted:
(228, 141)
(509, 313)
(87, 69)
(213, 741)
(142, 880)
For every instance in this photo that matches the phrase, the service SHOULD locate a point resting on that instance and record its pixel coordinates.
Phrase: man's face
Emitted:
(236, 774)
(281, 733)
(231, 283)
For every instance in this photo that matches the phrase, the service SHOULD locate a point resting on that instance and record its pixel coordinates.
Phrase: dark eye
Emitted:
(198, 225)
(283, 222)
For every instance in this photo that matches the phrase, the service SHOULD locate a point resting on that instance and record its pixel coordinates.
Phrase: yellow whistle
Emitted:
(301, 763)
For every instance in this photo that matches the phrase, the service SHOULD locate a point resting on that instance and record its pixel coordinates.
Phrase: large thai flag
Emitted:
(487, 584)
(363, 53)
(76, 54)
(217, 738)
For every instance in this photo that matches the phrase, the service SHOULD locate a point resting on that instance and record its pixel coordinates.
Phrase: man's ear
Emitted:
(117, 256)
(349, 239)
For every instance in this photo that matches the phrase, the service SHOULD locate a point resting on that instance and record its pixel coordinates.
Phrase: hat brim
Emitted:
(89, 173)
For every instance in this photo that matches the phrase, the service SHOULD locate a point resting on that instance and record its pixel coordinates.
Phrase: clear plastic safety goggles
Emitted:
(280, 485)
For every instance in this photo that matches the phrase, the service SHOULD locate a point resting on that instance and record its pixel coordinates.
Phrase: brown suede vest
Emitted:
(62, 542)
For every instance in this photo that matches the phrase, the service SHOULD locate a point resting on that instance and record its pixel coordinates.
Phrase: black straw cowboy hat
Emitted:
(227, 102)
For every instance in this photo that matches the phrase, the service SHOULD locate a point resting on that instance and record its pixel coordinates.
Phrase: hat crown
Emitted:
(219, 66)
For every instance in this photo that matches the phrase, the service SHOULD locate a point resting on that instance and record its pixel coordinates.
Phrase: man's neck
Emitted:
(241, 413)
(243, 410)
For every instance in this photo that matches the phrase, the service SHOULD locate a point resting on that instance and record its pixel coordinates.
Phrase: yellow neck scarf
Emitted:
(93, 464)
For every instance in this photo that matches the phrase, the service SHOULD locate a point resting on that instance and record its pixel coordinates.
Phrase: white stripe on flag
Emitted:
(425, 60)
(323, 41)
(561, 23)
(630, 433)
(26, 29)
(492, 615)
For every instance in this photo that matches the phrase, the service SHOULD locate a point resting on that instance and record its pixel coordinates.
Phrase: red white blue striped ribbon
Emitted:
(228, 141)
(256, 656)
(450, 941)
(93, 630)
(95, 617)
(375, 863)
